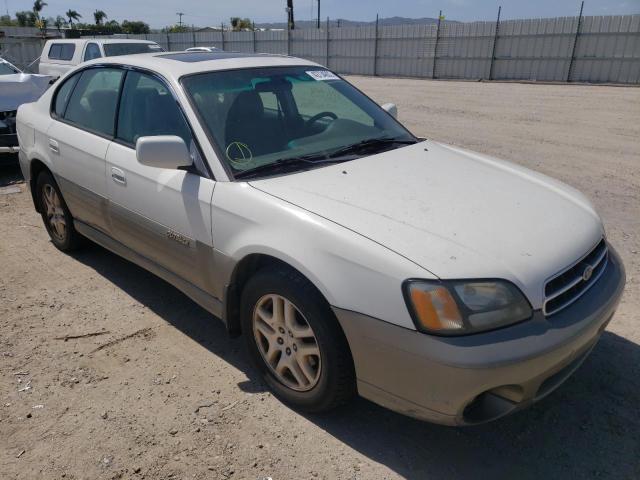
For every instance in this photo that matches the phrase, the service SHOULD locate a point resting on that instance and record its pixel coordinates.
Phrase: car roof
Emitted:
(98, 40)
(178, 64)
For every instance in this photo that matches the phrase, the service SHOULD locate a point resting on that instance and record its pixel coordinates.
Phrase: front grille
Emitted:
(569, 285)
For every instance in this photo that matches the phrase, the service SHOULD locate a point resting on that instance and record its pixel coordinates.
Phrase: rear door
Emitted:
(162, 214)
(84, 114)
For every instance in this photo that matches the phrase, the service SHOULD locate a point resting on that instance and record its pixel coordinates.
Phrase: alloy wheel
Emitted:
(54, 212)
(286, 342)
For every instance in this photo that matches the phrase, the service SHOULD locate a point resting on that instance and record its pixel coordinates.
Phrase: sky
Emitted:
(201, 12)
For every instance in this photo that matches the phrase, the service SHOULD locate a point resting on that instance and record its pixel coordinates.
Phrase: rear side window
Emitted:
(63, 94)
(94, 100)
(149, 109)
(92, 51)
(62, 51)
(116, 49)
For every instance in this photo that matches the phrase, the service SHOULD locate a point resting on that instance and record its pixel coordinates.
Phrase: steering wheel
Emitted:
(318, 116)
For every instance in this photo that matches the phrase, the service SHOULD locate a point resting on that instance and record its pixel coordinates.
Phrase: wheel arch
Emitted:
(249, 265)
(36, 166)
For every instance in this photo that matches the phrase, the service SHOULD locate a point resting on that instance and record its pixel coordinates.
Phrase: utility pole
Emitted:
(318, 24)
(180, 14)
(290, 20)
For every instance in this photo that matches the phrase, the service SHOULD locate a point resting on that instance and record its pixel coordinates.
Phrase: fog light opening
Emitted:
(493, 404)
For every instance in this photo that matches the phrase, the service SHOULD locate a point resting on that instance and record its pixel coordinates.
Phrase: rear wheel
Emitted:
(55, 214)
(295, 341)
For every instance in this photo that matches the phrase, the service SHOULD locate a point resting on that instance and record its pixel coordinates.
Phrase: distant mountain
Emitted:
(354, 23)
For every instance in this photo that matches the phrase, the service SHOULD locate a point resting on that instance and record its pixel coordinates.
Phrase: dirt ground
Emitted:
(161, 392)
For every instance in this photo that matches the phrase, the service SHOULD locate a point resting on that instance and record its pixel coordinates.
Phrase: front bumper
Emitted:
(8, 136)
(477, 378)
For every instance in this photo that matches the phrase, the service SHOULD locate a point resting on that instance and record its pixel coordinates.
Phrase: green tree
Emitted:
(72, 15)
(59, 22)
(134, 27)
(26, 18)
(7, 21)
(177, 29)
(99, 16)
(38, 5)
(238, 24)
(112, 26)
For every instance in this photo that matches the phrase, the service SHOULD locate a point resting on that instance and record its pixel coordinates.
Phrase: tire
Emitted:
(330, 376)
(55, 214)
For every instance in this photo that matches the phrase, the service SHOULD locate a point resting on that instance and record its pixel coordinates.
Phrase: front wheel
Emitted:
(295, 341)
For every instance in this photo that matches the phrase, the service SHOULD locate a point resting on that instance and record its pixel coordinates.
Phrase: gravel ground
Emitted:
(161, 392)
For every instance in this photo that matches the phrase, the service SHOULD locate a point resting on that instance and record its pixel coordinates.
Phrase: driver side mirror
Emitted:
(391, 109)
(163, 151)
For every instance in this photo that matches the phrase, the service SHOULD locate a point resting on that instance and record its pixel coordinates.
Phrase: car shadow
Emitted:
(589, 427)
(10, 173)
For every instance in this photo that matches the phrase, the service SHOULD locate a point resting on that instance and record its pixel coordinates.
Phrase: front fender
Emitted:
(351, 271)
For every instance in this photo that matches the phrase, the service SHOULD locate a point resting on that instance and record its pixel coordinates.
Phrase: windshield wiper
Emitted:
(368, 144)
(287, 164)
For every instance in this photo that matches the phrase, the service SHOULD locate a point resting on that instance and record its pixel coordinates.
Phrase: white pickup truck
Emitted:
(59, 56)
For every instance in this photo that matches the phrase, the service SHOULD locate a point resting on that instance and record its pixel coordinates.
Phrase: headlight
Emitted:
(461, 307)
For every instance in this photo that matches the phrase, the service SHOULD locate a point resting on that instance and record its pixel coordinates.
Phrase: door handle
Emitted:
(53, 146)
(118, 176)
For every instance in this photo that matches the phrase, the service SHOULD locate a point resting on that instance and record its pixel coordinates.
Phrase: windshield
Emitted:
(266, 116)
(116, 49)
(7, 69)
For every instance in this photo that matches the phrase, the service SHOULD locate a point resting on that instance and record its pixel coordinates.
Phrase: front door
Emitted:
(162, 214)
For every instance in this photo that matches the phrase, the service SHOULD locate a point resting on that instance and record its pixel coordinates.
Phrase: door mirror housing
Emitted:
(391, 109)
(163, 151)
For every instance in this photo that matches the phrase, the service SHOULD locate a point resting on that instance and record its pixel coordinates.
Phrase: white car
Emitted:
(16, 88)
(203, 49)
(61, 55)
(352, 256)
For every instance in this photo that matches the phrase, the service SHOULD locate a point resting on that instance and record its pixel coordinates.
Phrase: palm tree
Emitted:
(72, 15)
(38, 5)
(99, 16)
(59, 23)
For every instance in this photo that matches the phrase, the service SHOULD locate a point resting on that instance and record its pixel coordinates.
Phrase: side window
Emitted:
(92, 51)
(147, 109)
(94, 100)
(63, 94)
(61, 51)
(54, 51)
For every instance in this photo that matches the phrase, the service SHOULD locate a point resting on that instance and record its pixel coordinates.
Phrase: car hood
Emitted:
(455, 213)
(21, 88)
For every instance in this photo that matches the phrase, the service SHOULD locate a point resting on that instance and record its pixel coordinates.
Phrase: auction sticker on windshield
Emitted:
(322, 75)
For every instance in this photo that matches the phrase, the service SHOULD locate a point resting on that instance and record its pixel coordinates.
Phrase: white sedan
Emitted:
(203, 49)
(352, 256)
